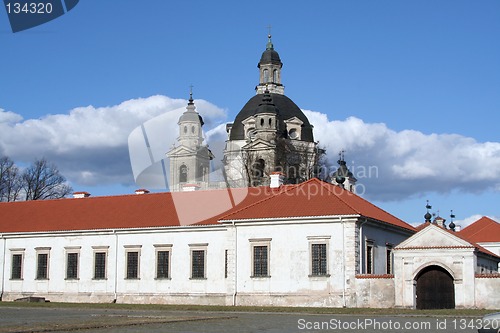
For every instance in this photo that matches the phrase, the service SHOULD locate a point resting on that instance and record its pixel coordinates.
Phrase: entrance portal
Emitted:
(435, 289)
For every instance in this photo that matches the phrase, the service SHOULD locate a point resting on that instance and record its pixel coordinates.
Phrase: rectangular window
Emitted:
(72, 266)
(318, 260)
(132, 265)
(100, 265)
(369, 258)
(260, 261)
(225, 264)
(388, 259)
(162, 264)
(198, 264)
(17, 267)
(42, 269)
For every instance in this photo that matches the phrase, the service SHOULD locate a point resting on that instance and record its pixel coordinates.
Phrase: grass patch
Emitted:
(274, 309)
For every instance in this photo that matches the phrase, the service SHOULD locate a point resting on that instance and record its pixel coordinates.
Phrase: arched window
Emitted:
(192, 129)
(266, 75)
(183, 173)
(270, 122)
(258, 172)
(262, 122)
(185, 129)
(275, 76)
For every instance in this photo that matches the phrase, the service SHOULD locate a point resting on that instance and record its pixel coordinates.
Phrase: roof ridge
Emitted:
(285, 189)
(490, 221)
(372, 205)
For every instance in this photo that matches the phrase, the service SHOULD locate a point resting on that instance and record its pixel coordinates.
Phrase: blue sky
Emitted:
(420, 78)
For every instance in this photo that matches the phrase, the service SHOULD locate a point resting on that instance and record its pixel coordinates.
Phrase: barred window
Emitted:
(162, 264)
(318, 260)
(260, 261)
(42, 270)
(100, 265)
(388, 258)
(369, 258)
(72, 266)
(198, 264)
(17, 267)
(132, 265)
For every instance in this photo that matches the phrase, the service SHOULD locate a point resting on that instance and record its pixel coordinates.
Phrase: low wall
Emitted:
(375, 291)
(487, 291)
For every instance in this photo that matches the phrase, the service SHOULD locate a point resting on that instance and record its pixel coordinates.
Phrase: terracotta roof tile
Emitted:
(483, 230)
(311, 198)
(314, 198)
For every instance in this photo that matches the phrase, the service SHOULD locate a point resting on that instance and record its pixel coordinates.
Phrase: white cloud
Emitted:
(89, 144)
(409, 162)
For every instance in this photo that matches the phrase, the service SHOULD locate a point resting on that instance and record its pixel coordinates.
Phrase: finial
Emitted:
(191, 101)
(269, 45)
(452, 224)
(428, 215)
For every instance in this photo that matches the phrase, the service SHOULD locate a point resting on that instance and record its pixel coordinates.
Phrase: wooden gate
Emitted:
(435, 289)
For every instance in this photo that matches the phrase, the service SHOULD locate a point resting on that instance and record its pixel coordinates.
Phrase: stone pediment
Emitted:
(433, 236)
(258, 144)
(180, 151)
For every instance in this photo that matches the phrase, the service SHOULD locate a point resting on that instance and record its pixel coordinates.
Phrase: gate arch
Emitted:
(435, 288)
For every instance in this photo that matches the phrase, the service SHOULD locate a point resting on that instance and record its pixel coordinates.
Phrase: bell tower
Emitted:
(189, 158)
(270, 71)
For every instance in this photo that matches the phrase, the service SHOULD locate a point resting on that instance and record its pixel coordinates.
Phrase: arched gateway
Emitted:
(435, 289)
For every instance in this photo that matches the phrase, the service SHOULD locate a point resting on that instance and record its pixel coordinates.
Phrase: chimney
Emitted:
(141, 191)
(440, 222)
(277, 179)
(78, 195)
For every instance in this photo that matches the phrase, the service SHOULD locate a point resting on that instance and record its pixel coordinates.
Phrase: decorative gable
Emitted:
(433, 236)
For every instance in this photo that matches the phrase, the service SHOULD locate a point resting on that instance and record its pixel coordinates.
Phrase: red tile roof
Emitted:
(125, 211)
(483, 230)
(314, 198)
(311, 198)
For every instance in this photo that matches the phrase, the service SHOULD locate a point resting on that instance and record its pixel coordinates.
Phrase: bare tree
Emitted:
(10, 180)
(42, 180)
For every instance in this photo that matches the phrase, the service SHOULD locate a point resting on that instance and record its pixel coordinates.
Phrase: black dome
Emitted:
(287, 109)
(270, 56)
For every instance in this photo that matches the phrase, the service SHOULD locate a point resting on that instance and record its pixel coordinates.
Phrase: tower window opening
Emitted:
(185, 129)
(266, 75)
(270, 122)
(262, 122)
(192, 129)
(183, 174)
(275, 76)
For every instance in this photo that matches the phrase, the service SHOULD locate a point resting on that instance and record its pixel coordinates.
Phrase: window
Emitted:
(318, 260)
(100, 265)
(266, 75)
(183, 174)
(369, 258)
(72, 266)
(198, 264)
(260, 261)
(42, 264)
(260, 257)
(17, 266)
(163, 261)
(388, 259)
(225, 264)
(198, 261)
(132, 255)
(275, 76)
